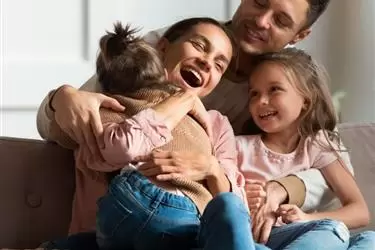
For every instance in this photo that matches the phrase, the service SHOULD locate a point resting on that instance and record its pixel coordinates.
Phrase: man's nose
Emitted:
(263, 20)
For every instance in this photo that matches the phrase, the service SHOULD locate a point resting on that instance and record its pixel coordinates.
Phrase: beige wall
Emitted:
(343, 40)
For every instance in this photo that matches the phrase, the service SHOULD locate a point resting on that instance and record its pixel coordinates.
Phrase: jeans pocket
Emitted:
(111, 215)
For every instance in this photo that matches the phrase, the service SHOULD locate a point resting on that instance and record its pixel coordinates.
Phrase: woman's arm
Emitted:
(46, 114)
(219, 170)
(228, 176)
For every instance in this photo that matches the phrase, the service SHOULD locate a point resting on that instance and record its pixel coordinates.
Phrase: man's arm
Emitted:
(45, 113)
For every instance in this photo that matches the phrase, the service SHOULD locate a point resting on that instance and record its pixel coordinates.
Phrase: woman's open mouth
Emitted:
(191, 77)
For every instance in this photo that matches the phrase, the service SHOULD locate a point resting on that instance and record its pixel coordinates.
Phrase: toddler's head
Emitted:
(126, 62)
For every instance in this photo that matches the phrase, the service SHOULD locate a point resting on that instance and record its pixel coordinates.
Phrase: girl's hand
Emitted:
(291, 213)
(174, 108)
(256, 194)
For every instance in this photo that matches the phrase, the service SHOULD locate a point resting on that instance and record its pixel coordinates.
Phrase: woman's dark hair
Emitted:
(180, 28)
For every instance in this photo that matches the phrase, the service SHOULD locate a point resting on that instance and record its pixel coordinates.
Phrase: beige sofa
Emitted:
(37, 184)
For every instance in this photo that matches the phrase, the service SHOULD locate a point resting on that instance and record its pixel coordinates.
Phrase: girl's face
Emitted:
(198, 59)
(274, 102)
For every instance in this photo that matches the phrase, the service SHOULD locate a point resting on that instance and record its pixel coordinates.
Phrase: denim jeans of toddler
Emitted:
(136, 214)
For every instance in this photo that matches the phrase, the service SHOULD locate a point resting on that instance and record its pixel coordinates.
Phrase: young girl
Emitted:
(290, 102)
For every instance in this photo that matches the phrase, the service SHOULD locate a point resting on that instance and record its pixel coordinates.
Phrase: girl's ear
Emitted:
(305, 105)
(162, 46)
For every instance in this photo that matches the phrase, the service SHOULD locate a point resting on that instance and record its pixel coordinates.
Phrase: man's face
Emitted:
(262, 26)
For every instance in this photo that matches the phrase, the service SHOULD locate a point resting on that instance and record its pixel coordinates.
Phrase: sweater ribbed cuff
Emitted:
(295, 188)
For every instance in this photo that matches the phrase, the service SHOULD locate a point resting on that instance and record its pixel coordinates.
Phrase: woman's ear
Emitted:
(162, 46)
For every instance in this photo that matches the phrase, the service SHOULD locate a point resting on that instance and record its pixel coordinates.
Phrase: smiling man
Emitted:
(259, 26)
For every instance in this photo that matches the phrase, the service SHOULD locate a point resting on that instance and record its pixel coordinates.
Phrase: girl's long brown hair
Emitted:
(311, 81)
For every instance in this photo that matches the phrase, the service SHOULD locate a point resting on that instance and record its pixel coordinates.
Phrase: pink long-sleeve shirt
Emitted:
(134, 137)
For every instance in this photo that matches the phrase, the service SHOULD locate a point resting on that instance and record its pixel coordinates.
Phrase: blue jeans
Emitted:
(362, 241)
(319, 234)
(225, 224)
(136, 214)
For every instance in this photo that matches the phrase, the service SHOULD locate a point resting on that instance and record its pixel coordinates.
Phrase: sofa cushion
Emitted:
(37, 185)
(359, 138)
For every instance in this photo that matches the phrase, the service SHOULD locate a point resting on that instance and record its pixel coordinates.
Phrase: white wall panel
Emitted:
(46, 43)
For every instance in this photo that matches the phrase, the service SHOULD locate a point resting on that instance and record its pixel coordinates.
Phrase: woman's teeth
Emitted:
(191, 77)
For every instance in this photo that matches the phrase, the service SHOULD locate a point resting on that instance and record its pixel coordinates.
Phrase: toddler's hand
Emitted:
(200, 113)
(291, 213)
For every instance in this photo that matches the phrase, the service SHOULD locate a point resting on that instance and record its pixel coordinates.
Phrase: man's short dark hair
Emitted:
(316, 9)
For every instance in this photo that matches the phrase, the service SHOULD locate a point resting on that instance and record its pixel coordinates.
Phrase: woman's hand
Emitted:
(166, 165)
(77, 114)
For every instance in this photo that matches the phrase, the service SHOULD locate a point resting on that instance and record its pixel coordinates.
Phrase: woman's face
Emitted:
(198, 59)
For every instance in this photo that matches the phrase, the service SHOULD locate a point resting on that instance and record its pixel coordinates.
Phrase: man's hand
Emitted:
(77, 114)
(165, 165)
(292, 213)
